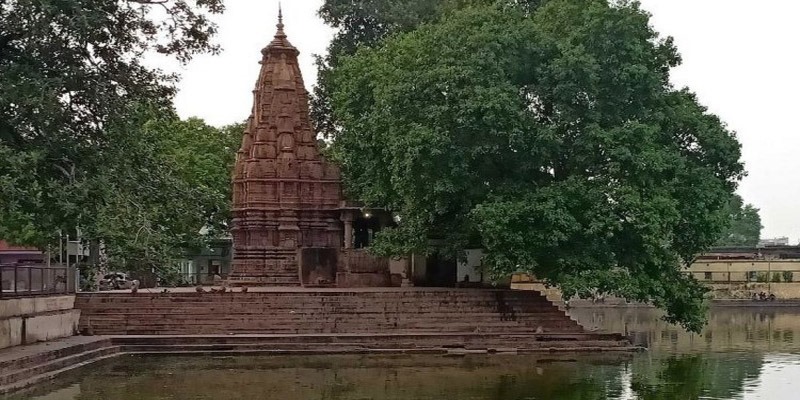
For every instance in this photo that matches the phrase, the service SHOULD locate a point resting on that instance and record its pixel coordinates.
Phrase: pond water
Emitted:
(745, 353)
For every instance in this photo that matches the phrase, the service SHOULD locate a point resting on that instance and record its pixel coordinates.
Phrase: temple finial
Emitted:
(279, 41)
(280, 33)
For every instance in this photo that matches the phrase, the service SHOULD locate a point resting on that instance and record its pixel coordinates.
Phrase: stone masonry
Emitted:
(286, 196)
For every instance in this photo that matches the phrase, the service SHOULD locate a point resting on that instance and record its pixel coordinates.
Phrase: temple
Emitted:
(291, 224)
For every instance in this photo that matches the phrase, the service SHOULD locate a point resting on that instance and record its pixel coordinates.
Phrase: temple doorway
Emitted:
(364, 230)
(440, 272)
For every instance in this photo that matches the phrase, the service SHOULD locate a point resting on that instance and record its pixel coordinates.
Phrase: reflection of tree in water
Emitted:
(692, 376)
(729, 329)
(573, 381)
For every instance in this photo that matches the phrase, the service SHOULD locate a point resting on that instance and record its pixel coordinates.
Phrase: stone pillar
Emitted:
(347, 218)
(408, 273)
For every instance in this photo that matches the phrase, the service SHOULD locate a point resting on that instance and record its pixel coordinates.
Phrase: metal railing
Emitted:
(30, 281)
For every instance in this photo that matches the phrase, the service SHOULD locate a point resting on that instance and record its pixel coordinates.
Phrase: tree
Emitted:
(552, 138)
(166, 179)
(68, 71)
(365, 23)
(745, 224)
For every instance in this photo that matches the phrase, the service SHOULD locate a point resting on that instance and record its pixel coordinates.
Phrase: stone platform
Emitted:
(34, 319)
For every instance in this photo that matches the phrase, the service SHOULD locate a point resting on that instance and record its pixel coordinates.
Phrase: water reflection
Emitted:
(751, 329)
(743, 354)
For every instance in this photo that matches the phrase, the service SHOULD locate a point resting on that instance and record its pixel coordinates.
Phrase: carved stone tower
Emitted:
(285, 195)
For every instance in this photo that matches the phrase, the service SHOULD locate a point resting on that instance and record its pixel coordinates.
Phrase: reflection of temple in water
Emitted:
(405, 377)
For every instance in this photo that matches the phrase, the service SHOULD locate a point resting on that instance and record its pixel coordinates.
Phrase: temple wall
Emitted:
(358, 268)
(471, 266)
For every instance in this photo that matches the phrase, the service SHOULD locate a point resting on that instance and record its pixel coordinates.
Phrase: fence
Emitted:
(30, 281)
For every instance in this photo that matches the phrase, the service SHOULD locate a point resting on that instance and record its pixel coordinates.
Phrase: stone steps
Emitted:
(305, 311)
(339, 343)
(61, 363)
(24, 366)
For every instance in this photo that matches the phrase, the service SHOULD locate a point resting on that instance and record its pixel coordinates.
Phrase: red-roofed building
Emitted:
(15, 255)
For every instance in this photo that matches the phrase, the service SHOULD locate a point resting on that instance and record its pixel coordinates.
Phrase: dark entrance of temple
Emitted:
(364, 230)
(440, 272)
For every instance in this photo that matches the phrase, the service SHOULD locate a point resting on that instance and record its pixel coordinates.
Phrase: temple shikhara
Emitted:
(291, 223)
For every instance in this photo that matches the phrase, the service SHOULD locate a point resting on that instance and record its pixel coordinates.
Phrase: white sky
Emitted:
(737, 56)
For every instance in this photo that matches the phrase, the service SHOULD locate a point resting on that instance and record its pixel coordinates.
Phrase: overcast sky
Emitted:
(739, 56)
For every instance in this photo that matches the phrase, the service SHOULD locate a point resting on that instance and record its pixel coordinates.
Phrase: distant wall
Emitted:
(38, 319)
(471, 266)
(736, 271)
(729, 279)
(17, 258)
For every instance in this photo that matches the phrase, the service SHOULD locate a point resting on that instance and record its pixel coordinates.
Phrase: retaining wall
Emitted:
(38, 319)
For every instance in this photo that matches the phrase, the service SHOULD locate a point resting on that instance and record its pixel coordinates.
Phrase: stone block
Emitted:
(396, 280)
(35, 305)
(51, 326)
(360, 261)
(10, 332)
(317, 266)
(362, 280)
(31, 320)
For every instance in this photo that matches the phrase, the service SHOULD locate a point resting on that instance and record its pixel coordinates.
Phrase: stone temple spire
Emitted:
(286, 196)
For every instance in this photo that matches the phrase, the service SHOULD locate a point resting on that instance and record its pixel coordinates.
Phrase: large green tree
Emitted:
(69, 72)
(365, 23)
(166, 180)
(551, 138)
(745, 224)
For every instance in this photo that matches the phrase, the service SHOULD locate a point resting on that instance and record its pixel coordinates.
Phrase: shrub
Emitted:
(776, 277)
(762, 277)
(788, 276)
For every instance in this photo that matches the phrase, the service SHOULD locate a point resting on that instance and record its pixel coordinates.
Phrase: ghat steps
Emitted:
(322, 311)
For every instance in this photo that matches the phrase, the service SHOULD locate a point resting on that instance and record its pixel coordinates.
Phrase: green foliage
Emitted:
(551, 138)
(365, 23)
(69, 71)
(762, 277)
(776, 277)
(165, 180)
(745, 225)
(788, 276)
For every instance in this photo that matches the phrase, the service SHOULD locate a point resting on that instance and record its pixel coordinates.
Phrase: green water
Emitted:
(743, 354)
